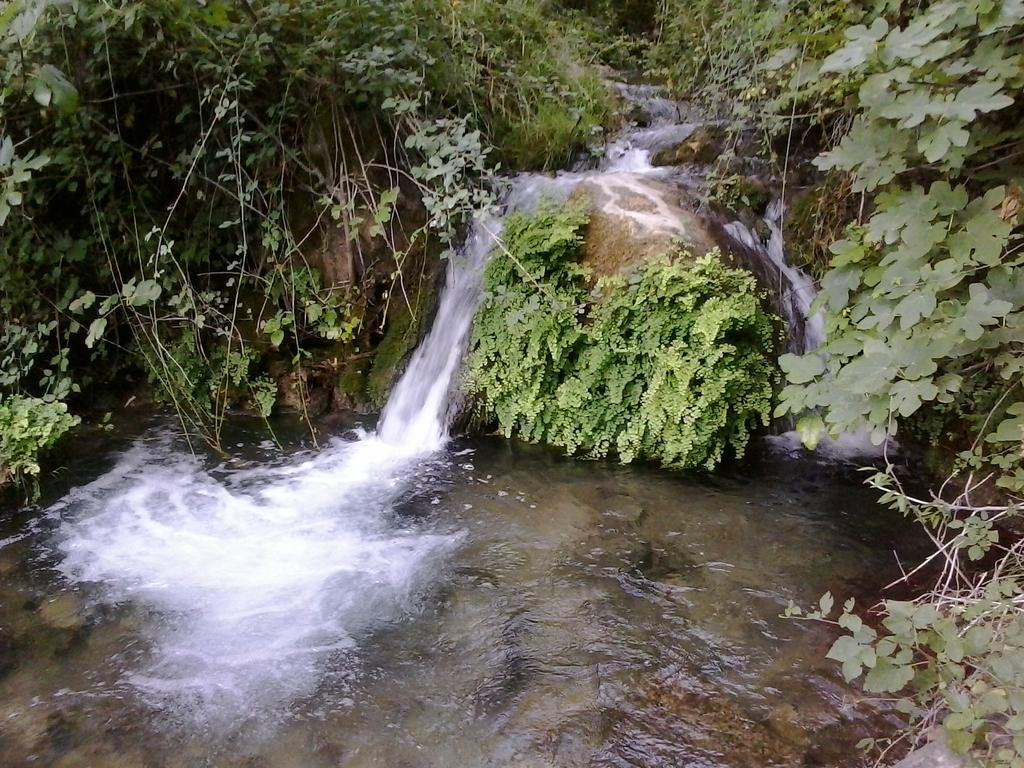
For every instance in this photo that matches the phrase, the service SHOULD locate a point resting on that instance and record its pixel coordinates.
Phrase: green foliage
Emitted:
(929, 288)
(753, 60)
(952, 657)
(534, 91)
(168, 169)
(29, 426)
(670, 364)
(924, 312)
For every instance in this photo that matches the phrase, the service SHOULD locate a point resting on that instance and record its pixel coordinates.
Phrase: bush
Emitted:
(175, 176)
(28, 426)
(670, 364)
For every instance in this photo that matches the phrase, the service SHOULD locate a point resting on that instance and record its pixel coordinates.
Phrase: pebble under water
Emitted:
(493, 604)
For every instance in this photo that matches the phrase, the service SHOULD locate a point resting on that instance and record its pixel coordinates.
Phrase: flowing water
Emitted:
(795, 289)
(399, 599)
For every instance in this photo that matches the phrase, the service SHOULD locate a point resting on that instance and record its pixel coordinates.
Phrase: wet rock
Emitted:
(8, 652)
(703, 146)
(408, 317)
(23, 727)
(634, 220)
(96, 755)
(786, 723)
(350, 389)
(638, 115)
(62, 612)
(9, 560)
(933, 755)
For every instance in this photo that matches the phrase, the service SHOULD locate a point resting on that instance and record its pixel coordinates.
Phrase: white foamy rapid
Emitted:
(796, 290)
(256, 584)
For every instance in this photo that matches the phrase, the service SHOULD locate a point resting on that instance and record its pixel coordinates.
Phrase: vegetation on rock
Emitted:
(671, 364)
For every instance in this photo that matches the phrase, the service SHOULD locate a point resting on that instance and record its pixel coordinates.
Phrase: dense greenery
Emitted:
(918, 107)
(204, 194)
(220, 188)
(922, 297)
(29, 426)
(670, 364)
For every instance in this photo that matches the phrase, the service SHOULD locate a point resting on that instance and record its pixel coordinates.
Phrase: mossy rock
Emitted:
(634, 221)
(703, 146)
(406, 321)
(350, 388)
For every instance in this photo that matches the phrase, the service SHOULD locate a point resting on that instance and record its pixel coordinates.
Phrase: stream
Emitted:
(399, 597)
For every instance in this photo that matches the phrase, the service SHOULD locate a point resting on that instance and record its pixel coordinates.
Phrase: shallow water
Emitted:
(490, 605)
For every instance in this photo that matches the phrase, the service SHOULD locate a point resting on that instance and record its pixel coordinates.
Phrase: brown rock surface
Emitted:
(635, 219)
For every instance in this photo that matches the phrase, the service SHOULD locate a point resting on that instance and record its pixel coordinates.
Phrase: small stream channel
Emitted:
(397, 598)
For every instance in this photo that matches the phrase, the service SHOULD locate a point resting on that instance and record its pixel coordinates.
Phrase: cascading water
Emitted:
(416, 415)
(254, 585)
(795, 290)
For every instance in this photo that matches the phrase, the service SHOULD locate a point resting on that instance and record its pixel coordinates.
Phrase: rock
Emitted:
(638, 115)
(408, 317)
(95, 755)
(703, 146)
(350, 388)
(935, 754)
(62, 612)
(786, 723)
(10, 560)
(635, 219)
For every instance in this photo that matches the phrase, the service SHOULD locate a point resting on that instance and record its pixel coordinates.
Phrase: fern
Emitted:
(671, 364)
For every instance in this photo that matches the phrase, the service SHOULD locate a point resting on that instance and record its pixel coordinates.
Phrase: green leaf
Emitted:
(146, 292)
(96, 330)
(825, 603)
(888, 677)
(57, 88)
(83, 302)
(936, 142)
(844, 649)
(811, 429)
(800, 369)
(862, 42)
(875, 151)
(980, 97)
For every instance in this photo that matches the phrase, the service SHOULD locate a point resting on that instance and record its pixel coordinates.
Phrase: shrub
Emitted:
(671, 363)
(28, 426)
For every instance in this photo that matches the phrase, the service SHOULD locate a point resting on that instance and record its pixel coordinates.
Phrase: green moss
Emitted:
(405, 324)
(816, 220)
(352, 382)
(546, 136)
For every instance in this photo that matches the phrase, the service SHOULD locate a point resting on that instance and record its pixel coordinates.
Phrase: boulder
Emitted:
(62, 612)
(635, 219)
(935, 754)
(703, 146)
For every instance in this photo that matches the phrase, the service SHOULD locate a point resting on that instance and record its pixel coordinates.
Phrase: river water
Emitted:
(491, 604)
(396, 598)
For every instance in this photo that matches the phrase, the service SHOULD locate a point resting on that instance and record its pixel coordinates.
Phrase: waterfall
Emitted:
(417, 412)
(795, 291)
(254, 584)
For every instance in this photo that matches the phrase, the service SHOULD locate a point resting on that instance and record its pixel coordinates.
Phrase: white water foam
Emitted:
(261, 579)
(256, 584)
(796, 290)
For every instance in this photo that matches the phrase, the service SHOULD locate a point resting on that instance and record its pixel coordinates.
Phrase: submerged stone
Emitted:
(704, 146)
(63, 612)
